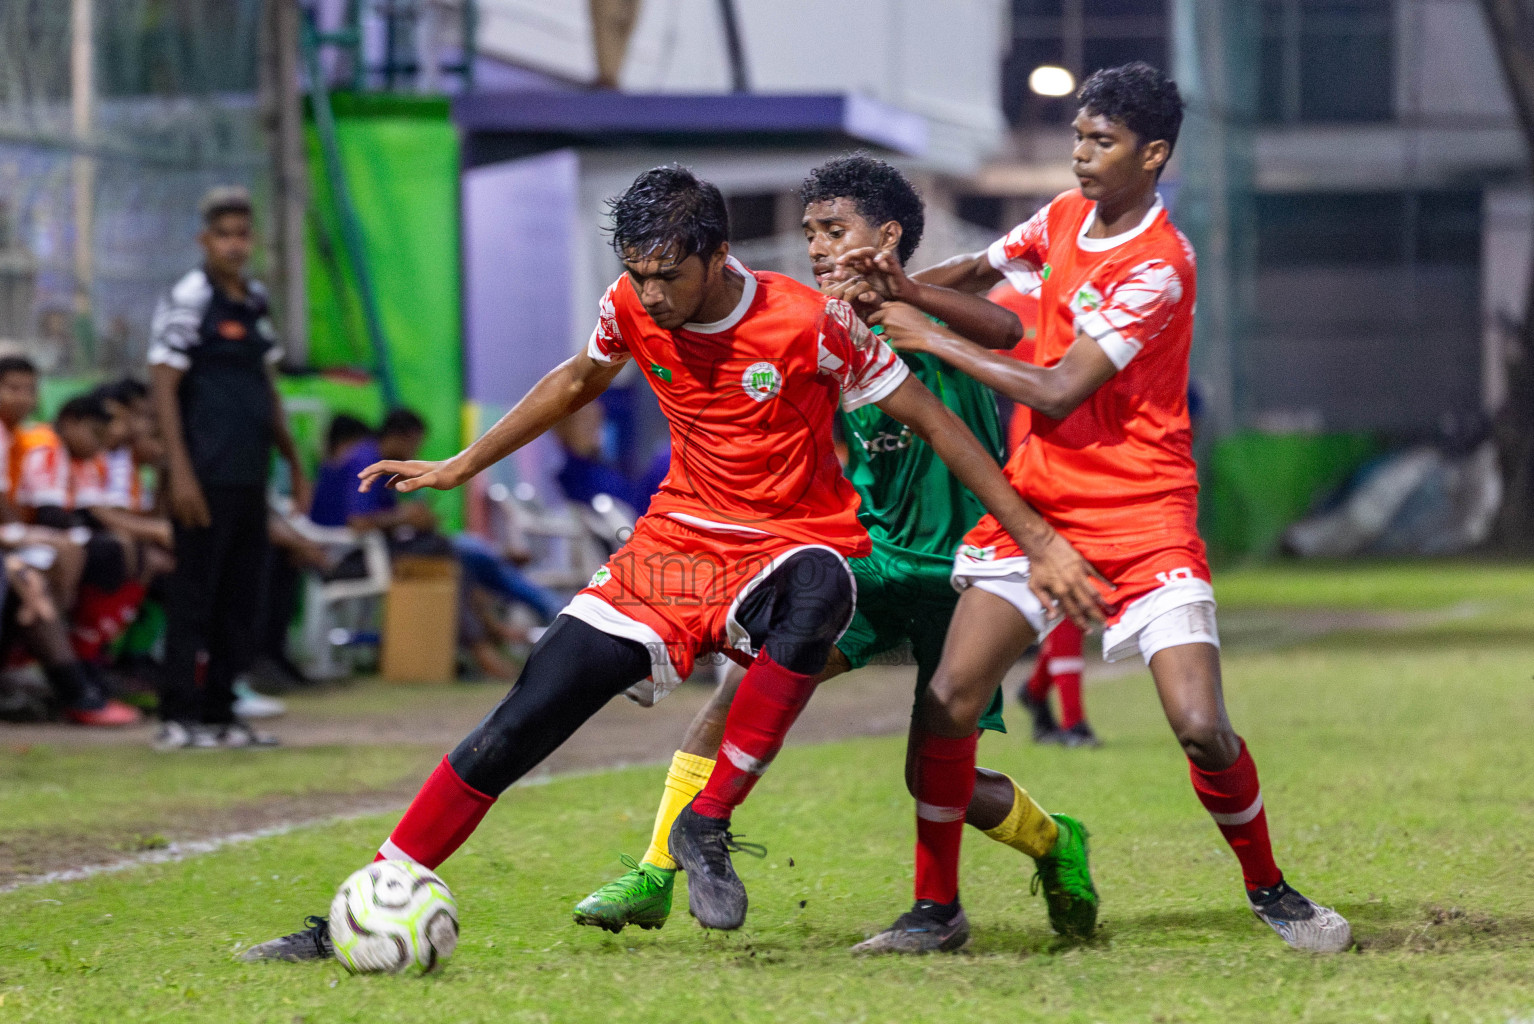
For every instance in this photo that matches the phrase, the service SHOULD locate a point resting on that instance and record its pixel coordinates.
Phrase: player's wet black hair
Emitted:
(16, 364)
(669, 210)
(880, 193)
(84, 407)
(402, 421)
(1137, 96)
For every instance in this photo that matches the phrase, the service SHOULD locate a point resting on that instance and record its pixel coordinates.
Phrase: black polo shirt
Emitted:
(223, 346)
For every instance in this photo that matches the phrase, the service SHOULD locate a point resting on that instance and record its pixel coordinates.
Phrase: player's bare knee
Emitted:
(954, 705)
(1207, 739)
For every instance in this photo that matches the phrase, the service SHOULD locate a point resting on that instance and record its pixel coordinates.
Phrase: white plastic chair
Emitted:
(563, 539)
(337, 611)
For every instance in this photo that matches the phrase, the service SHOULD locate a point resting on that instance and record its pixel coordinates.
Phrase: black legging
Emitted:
(796, 614)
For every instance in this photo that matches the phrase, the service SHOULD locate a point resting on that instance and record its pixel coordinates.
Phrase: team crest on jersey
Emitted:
(601, 576)
(761, 381)
(1087, 299)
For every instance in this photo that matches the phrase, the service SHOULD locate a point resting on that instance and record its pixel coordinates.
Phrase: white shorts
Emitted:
(1176, 613)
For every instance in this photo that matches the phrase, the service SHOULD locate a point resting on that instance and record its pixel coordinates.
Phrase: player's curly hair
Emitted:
(669, 210)
(1137, 96)
(880, 193)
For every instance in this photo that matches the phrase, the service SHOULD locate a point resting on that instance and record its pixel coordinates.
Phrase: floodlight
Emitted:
(1050, 80)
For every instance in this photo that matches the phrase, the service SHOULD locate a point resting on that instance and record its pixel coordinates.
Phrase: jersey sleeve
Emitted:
(44, 479)
(1134, 311)
(173, 332)
(1021, 253)
(607, 344)
(864, 364)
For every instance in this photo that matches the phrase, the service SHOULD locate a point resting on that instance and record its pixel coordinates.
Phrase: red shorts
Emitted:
(675, 588)
(1153, 575)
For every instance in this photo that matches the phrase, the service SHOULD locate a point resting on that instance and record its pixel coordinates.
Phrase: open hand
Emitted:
(410, 476)
(1062, 581)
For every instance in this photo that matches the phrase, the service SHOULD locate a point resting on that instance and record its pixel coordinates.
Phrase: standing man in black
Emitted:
(210, 356)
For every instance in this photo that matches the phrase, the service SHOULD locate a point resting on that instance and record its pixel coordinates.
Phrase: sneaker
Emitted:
(642, 897)
(183, 736)
(927, 927)
(1300, 921)
(1079, 735)
(1044, 723)
(702, 846)
(110, 714)
(239, 735)
(313, 943)
(250, 704)
(1066, 878)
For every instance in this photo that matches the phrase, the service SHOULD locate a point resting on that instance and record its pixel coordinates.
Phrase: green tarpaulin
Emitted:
(1257, 484)
(400, 158)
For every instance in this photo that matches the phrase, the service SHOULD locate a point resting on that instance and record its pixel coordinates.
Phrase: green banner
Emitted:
(400, 161)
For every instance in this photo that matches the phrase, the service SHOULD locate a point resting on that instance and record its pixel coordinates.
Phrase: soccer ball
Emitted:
(393, 915)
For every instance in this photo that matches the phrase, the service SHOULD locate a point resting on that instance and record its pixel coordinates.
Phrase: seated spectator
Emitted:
(134, 450)
(411, 528)
(586, 472)
(64, 484)
(42, 568)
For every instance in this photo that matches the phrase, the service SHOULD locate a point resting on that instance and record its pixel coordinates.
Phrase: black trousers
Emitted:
(214, 602)
(796, 615)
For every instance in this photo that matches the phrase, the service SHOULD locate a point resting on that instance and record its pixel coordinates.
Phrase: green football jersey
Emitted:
(909, 498)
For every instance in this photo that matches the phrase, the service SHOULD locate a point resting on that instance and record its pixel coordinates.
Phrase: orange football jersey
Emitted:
(750, 401)
(1129, 445)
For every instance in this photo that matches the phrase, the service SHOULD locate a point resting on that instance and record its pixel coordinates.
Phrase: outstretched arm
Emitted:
(562, 390)
(1054, 391)
(975, 317)
(967, 273)
(1059, 574)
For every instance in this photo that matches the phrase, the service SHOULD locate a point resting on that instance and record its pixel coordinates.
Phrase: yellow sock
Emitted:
(684, 780)
(1027, 827)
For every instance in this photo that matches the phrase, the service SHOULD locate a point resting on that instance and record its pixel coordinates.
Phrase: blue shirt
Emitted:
(336, 498)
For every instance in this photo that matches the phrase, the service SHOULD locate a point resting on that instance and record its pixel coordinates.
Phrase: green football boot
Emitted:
(642, 897)
(1066, 879)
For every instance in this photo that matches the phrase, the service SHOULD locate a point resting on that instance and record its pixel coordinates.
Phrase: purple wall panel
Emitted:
(519, 222)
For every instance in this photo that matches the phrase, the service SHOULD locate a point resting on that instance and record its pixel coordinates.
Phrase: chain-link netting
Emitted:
(115, 116)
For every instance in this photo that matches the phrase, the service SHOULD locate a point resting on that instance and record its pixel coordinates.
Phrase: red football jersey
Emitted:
(750, 400)
(1129, 444)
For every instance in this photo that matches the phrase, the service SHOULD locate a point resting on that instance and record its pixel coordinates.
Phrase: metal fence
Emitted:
(115, 116)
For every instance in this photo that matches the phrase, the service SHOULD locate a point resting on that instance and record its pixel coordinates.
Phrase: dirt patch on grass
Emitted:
(422, 723)
(425, 721)
(1440, 929)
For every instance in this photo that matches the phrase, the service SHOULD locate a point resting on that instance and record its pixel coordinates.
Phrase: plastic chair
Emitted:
(341, 613)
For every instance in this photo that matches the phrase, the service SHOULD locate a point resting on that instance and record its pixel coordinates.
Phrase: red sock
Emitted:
(1038, 682)
(945, 781)
(443, 814)
(1062, 652)
(765, 707)
(1233, 799)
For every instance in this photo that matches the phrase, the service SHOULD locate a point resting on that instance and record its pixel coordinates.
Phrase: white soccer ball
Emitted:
(393, 915)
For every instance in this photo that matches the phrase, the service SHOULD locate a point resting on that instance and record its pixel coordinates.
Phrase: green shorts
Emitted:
(906, 595)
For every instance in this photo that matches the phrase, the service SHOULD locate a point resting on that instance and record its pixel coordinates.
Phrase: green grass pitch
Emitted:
(1397, 767)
